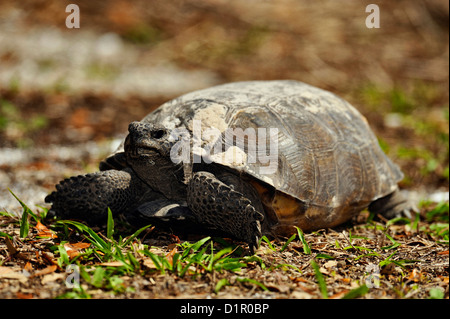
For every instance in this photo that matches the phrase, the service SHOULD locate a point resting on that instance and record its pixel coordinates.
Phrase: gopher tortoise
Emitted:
(243, 159)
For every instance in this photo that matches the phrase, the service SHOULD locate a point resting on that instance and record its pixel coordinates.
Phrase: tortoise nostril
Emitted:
(158, 134)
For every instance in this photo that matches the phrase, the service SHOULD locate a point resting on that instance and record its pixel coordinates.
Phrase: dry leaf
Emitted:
(170, 255)
(339, 294)
(301, 295)
(28, 267)
(73, 250)
(52, 277)
(20, 295)
(8, 273)
(81, 245)
(49, 257)
(45, 271)
(346, 280)
(298, 279)
(330, 264)
(44, 232)
(444, 279)
(112, 264)
(415, 275)
(148, 262)
(11, 249)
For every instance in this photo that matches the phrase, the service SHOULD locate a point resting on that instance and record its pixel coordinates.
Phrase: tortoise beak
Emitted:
(143, 139)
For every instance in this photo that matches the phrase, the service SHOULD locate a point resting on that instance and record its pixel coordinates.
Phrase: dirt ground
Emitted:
(67, 96)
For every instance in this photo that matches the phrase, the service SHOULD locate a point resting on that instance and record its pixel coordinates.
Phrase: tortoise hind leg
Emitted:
(218, 206)
(393, 205)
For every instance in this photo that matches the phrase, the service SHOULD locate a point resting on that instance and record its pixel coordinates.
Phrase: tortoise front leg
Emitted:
(217, 206)
(87, 197)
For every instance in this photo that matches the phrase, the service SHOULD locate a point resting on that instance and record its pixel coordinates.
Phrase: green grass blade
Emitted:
(185, 269)
(395, 244)
(320, 280)
(222, 252)
(232, 266)
(98, 276)
(324, 256)
(415, 223)
(306, 248)
(165, 263)
(283, 266)
(211, 258)
(63, 256)
(95, 239)
(133, 262)
(386, 261)
(5, 235)
(192, 248)
(220, 284)
(140, 230)
(24, 224)
(155, 259)
(176, 263)
(288, 242)
(196, 246)
(357, 292)
(252, 281)
(25, 207)
(109, 225)
(264, 238)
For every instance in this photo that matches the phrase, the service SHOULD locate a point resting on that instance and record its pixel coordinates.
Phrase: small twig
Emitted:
(345, 234)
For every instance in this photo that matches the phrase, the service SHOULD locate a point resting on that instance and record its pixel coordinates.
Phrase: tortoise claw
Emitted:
(397, 204)
(218, 206)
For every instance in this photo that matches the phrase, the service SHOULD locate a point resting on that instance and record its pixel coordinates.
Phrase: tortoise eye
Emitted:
(158, 134)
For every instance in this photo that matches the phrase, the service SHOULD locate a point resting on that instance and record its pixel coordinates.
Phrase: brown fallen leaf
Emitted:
(20, 295)
(170, 255)
(415, 275)
(11, 249)
(346, 280)
(278, 287)
(44, 232)
(73, 250)
(28, 267)
(9, 273)
(112, 264)
(45, 271)
(339, 294)
(444, 279)
(148, 262)
(52, 277)
(48, 256)
(81, 245)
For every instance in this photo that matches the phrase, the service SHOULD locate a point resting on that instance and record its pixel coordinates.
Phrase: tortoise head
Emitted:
(146, 140)
(147, 150)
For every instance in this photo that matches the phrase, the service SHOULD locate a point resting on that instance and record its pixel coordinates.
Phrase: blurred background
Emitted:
(67, 95)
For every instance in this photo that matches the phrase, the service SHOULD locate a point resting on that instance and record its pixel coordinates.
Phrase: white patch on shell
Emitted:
(171, 122)
(206, 127)
(335, 202)
(233, 156)
(313, 108)
(212, 116)
(323, 101)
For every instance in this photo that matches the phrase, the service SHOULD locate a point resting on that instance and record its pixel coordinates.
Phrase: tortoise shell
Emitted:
(328, 164)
